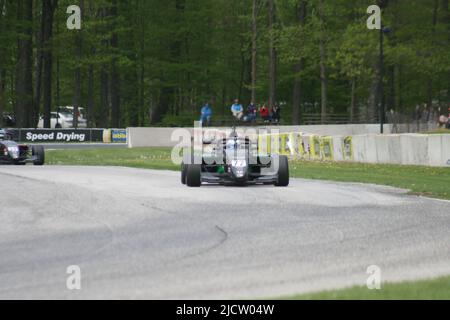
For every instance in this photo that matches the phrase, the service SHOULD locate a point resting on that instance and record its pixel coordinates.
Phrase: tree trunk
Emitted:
(90, 97)
(298, 68)
(353, 101)
(254, 48)
(392, 90)
(77, 75)
(24, 73)
(374, 98)
(115, 78)
(2, 71)
(90, 89)
(141, 108)
(104, 116)
(323, 66)
(103, 119)
(48, 10)
(433, 40)
(2, 94)
(38, 75)
(58, 74)
(166, 94)
(445, 18)
(272, 56)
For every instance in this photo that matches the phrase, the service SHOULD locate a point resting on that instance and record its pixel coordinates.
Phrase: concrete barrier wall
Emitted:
(160, 137)
(405, 149)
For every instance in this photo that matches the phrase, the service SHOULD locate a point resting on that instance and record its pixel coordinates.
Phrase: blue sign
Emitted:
(119, 136)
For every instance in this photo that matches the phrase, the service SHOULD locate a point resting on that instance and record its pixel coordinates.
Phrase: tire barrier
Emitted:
(300, 146)
(406, 149)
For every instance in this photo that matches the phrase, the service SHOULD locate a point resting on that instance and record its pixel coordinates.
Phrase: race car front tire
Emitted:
(283, 172)
(39, 153)
(193, 175)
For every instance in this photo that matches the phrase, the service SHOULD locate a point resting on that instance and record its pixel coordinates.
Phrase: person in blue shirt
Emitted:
(237, 110)
(206, 115)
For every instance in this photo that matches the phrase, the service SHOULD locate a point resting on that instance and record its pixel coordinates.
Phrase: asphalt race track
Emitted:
(141, 234)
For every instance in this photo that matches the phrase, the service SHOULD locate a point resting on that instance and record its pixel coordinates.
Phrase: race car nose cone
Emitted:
(239, 173)
(14, 152)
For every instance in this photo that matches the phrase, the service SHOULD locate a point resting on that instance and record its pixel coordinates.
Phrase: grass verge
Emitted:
(436, 289)
(428, 181)
(438, 131)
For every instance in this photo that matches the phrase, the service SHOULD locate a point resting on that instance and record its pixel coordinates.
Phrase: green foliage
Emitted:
(173, 55)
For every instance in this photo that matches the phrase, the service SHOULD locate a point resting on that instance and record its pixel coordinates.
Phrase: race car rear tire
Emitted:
(183, 173)
(283, 172)
(39, 153)
(193, 175)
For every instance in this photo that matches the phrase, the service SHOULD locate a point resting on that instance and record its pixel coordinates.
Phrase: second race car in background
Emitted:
(13, 153)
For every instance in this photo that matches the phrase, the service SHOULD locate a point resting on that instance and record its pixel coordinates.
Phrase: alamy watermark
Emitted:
(374, 280)
(73, 281)
(74, 20)
(374, 21)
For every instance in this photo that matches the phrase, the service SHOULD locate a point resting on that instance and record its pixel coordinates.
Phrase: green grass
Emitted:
(145, 158)
(438, 131)
(436, 289)
(428, 181)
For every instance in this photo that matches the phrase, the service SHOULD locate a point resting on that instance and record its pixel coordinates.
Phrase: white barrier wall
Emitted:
(160, 137)
(406, 149)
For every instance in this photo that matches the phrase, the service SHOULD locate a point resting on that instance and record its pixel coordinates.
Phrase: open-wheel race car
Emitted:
(234, 161)
(13, 153)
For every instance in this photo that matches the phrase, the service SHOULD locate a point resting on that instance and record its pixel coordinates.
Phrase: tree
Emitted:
(115, 78)
(323, 64)
(24, 74)
(77, 73)
(254, 48)
(272, 55)
(298, 68)
(2, 70)
(48, 11)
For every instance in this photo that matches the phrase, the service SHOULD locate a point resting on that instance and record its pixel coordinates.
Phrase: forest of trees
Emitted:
(154, 62)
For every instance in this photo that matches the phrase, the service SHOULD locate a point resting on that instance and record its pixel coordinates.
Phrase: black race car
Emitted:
(13, 153)
(234, 161)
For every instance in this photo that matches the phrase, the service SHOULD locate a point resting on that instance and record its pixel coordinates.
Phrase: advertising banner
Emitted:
(327, 149)
(119, 135)
(347, 148)
(58, 135)
(314, 147)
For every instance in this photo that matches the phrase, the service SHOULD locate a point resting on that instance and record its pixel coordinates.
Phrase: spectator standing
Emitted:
(206, 115)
